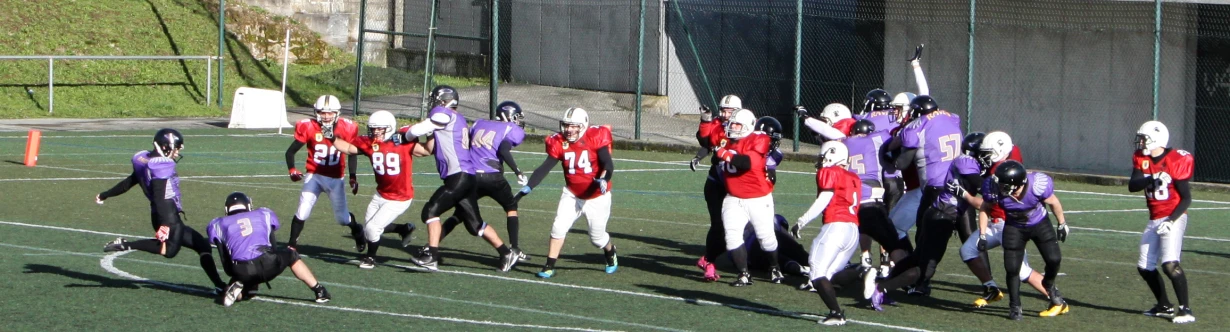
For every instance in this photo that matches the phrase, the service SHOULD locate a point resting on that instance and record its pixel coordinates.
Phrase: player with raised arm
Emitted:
(248, 250)
(1165, 175)
(834, 123)
(460, 189)
(393, 165)
(838, 195)
(1024, 197)
(750, 199)
(711, 132)
(154, 170)
(588, 167)
(324, 167)
(491, 144)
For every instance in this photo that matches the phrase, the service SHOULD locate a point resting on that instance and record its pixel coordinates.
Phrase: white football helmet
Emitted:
(901, 102)
(746, 121)
(381, 120)
(1152, 135)
(996, 147)
(834, 112)
(574, 116)
(327, 104)
(731, 101)
(833, 153)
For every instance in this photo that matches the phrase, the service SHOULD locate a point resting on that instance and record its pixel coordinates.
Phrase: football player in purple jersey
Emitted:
(246, 244)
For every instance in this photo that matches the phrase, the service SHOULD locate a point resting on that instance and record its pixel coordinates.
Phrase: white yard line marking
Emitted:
(1137, 210)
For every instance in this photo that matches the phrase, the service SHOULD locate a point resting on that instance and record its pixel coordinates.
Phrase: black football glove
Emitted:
(1062, 232)
(982, 242)
(801, 112)
(917, 54)
(694, 163)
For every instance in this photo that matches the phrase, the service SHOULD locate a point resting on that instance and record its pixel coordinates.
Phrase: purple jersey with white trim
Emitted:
(149, 168)
(963, 165)
(1027, 211)
(244, 233)
(884, 120)
(865, 158)
(938, 135)
(452, 143)
(773, 159)
(485, 139)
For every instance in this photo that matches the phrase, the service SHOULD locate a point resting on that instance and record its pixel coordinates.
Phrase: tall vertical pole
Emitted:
(798, 66)
(640, 70)
(51, 87)
(969, 78)
(699, 65)
(1157, 52)
(221, 51)
(358, 67)
(427, 59)
(494, 94)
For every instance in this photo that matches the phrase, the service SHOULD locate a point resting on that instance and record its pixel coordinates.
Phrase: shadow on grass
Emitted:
(100, 281)
(1209, 253)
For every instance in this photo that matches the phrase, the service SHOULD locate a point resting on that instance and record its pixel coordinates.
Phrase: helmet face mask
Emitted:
(1010, 178)
(770, 126)
(574, 123)
(995, 147)
(443, 95)
(901, 106)
(510, 112)
(741, 125)
(833, 153)
(1151, 135)
(168, 143)
(728, 106)
(327, 108)
(380, 126)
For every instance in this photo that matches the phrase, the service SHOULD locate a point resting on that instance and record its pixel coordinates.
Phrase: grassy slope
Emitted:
(150, 88)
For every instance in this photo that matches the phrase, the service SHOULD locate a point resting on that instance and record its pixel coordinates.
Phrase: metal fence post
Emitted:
(640, 70)
(427, 58)
(1157, 51)
(494, 92)
(358, 69)
(798, 66)
(221, 50)
(692, 45)
(51, 89)
(969, 78)
(209, 81)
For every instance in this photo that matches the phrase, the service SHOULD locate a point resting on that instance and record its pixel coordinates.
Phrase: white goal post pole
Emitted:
(285, 65)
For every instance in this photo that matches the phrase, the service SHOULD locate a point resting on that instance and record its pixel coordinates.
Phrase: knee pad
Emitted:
(372, 233)
(1172, 269)
(969, 250)
(599, 239)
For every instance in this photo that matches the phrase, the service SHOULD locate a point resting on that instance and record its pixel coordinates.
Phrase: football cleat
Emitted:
(807, 286)
(322, 294)
(405, 236)
(702, 263)
(919, 290)
(1055, 310)
(711, 274)
(612, 264)
(775, 275)
(744, 279)
(1183, 316)
(116, 245)
(425, 259)
(507, 261)
(1161, 310)
(521, 256)
(878, 297)
(546, 274)
(869, 283)
(1014, 313)
(367, 263)
(233, 293)
(356, 232)
(834, 318)
(990, 294)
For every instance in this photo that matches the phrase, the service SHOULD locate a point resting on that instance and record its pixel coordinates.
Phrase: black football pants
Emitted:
(1043, 236)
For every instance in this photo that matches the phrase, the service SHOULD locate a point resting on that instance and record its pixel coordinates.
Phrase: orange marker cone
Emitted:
(32, 147)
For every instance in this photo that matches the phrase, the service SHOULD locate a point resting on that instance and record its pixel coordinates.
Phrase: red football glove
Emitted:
(163, 233)
(295, 176)
(354, 185)
(725, 154)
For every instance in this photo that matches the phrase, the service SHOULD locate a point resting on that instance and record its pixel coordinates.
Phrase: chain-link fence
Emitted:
(1070, 80)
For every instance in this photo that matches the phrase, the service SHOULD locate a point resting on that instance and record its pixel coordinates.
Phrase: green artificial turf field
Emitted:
(51, 236)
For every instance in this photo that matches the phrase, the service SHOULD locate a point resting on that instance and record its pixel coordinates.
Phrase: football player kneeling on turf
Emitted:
(246, 243)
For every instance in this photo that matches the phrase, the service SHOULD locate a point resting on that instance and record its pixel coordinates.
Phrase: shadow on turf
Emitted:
(107, 282)
(1209, 253)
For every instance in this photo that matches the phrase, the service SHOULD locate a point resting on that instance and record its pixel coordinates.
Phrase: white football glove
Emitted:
(1164, 178)
(522, 179)
(866, 261)
(601, 185)
(695, 162)
(98, 199)
(1164, 227)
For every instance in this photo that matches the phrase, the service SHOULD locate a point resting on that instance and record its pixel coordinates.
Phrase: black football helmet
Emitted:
(1009, 176)
(444, 95)
(237, 202)
(877, 99)
(509, 111)
(168, 142)
(923, 105)
(969, 146)
(771, 127)
(863, 127)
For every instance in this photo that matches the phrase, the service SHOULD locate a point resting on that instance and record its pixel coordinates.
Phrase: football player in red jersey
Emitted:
(712, 131)
(838, 198)
(392, 162)
(324, 167)
(1165, 175)
(834, 123)
(587, 165)
(750, 193)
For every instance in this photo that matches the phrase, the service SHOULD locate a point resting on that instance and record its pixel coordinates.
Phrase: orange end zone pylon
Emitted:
(32, 147)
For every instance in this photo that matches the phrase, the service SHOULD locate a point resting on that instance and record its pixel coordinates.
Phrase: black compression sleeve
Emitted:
(1184, 189)
(904, 158)
(165, 208)
(505, 154)
(604, 158)
(541, 172)
(353, 163)
(1138, 181)
(121, 187)
(291, 151)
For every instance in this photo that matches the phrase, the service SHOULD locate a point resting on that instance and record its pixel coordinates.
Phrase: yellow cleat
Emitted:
(991, 294)
(1055, 310)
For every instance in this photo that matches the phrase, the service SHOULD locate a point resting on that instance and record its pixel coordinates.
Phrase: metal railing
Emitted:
(52, 58)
